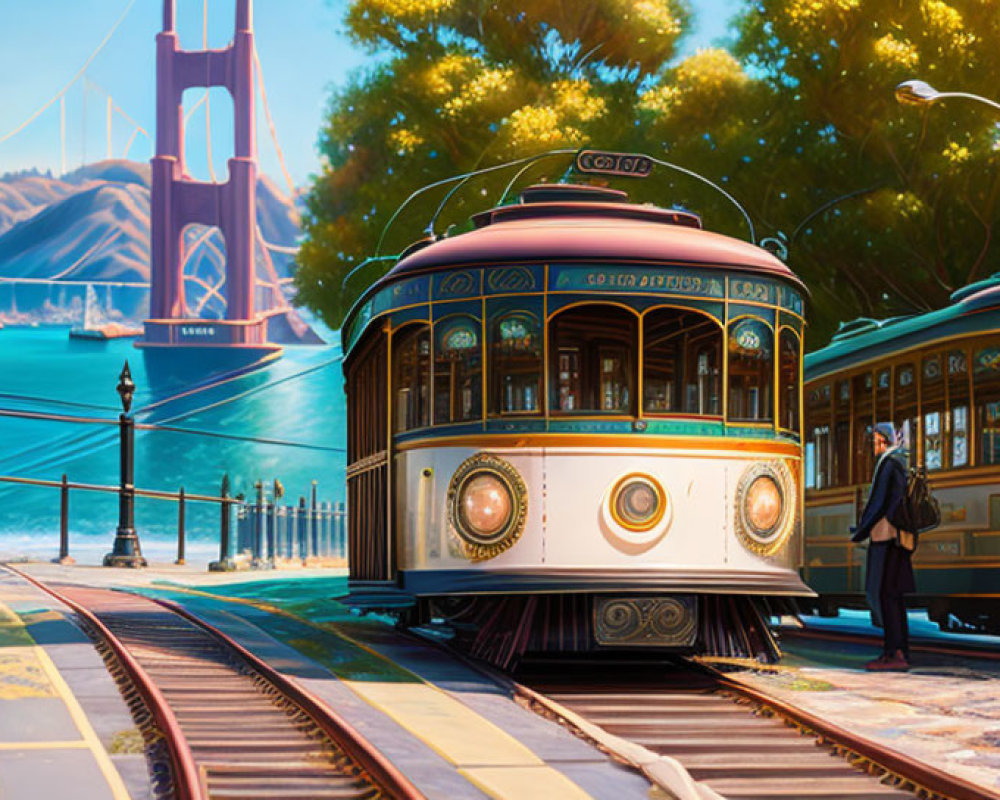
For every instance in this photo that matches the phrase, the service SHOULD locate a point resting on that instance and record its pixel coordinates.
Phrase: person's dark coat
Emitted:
(888, 567)
(888, 490)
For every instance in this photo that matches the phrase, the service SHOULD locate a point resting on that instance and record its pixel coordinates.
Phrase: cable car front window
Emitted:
(751, 370)
(457, 370)
(516, 365)
(682, 354)
(593, 362)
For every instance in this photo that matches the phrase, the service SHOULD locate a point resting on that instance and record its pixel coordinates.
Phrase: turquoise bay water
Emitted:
(283, 421)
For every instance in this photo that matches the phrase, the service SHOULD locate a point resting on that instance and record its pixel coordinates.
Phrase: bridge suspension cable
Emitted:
(270, 123)
(80, 73)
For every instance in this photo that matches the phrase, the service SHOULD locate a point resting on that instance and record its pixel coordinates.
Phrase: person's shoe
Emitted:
(876, 663)
(895, 663)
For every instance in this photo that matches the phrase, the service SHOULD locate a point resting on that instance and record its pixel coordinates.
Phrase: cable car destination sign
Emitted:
(601, 162)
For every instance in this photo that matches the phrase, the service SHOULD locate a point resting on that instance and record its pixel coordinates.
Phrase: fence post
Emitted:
(64, 557)
(327, 527)
(258, 532)
(313, 524)
(224, 563)
(303, 530)
(340, 516)
(180, 526)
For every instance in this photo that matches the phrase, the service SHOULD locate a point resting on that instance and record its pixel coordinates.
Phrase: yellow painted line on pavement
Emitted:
(14, 629)
(79, 744)
(449, 727)
(115, 782)
(485, 754)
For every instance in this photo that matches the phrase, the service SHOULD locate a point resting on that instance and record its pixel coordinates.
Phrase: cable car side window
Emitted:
(751, 370)
(682, 357)
(411, 377)
(905, 408)
(958, 407)
(788, 375)
(986, 372)
(457, 370)
(932, 408)
(515, 364)
(592, 355)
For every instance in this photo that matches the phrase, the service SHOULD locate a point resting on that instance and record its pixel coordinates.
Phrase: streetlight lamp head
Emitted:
(916, 93)
(126, 387)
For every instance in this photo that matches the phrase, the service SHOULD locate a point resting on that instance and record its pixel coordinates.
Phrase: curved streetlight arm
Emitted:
(723, 192)
(965, 95)
(445, 181)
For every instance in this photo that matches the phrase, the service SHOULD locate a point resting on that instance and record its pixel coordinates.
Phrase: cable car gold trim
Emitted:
(728, 446)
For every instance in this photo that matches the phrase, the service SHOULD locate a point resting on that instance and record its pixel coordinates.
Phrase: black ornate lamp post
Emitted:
(126, 552)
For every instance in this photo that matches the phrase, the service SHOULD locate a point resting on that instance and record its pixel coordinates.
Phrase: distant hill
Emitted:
(92, 226)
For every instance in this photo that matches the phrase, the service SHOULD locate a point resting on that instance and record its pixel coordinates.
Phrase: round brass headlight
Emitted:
(638, 502)
(487, 505)
(484, 506)
(765, 507)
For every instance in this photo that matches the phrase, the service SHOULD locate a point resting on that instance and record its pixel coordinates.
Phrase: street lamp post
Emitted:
(126, 552)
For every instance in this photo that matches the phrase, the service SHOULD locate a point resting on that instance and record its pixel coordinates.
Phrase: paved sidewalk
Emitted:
(944, 712)
(65, 731)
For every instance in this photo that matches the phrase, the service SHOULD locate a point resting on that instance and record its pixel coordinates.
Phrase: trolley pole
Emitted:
(126, 551)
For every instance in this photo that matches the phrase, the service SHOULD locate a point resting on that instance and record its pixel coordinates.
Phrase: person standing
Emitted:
(888, 571)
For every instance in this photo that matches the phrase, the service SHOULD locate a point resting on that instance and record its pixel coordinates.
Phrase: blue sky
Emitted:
(303, 54)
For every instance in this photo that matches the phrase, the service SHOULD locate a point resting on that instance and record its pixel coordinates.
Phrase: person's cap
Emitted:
(886, 431)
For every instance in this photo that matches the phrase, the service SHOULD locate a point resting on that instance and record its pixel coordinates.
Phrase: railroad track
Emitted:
(235, 728)
(716, 729)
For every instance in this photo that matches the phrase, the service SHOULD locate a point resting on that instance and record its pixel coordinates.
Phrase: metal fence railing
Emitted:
(268, 534)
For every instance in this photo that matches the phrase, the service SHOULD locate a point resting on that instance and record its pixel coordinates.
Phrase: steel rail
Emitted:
(382, 772)
(921, 775)
(970, 650)
(186, 776)
(923, 778)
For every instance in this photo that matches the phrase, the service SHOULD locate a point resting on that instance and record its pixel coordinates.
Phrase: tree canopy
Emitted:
(886, 208)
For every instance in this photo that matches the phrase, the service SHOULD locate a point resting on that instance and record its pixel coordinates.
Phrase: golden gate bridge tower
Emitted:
(240, 339)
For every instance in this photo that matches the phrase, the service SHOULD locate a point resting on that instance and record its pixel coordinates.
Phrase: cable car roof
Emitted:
(973, 309)
(587, 224)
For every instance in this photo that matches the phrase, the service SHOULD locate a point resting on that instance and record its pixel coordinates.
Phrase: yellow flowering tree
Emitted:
(463, 84)
(891, 207)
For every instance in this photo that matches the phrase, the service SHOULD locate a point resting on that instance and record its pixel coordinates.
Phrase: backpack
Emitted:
(917, 512)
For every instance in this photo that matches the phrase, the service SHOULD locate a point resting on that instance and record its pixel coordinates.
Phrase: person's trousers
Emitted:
(895, 627)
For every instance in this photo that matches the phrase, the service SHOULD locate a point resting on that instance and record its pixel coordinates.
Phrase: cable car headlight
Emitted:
(638, 502)
(765, 507)
(484, 505)
(487, 505)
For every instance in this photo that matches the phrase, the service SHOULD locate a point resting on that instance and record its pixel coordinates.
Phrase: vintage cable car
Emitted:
(937, 377)
(576, 428)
